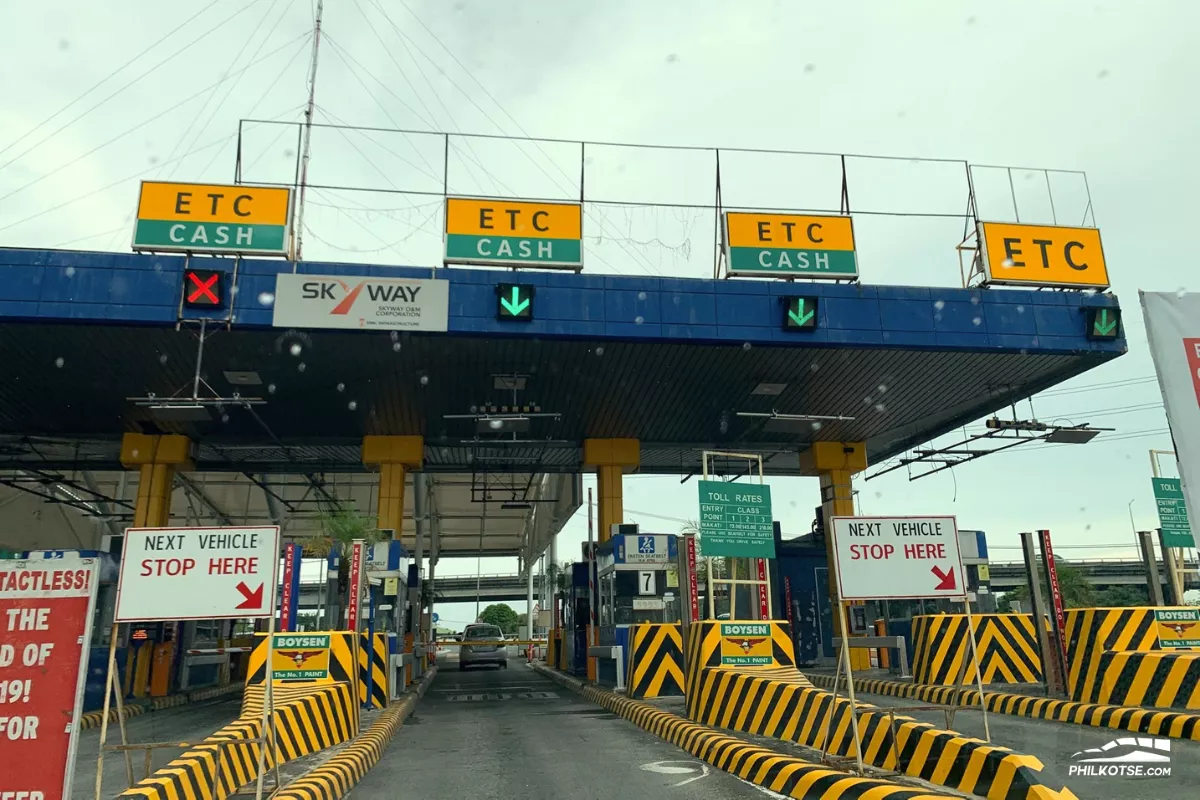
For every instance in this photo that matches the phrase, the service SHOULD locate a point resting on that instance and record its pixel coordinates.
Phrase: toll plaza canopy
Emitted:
(678, 364)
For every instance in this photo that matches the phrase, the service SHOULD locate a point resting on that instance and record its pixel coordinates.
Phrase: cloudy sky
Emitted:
(110, 94)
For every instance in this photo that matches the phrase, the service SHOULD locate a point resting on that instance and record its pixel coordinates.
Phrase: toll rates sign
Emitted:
(198, 573)
(46, 609)
(889, 558)
(203, 218)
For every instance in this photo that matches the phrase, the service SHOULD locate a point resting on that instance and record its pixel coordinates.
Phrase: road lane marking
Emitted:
(665, 768)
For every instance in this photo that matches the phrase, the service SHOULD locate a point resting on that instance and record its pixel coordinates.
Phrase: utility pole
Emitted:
(310, 109)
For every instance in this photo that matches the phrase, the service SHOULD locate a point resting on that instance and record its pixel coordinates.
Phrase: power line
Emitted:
(171, 57)
(106, 79)
(142, 124)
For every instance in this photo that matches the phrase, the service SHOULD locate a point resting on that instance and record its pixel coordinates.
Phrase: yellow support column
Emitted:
(394, 456)
(835, 464)
(157, 459)
(611, 458)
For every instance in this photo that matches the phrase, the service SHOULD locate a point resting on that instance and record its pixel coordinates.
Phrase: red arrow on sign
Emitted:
(254, 599)
(946, 578)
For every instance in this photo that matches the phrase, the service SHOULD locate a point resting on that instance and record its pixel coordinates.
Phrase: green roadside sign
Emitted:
(1172, 513)
(735, 520)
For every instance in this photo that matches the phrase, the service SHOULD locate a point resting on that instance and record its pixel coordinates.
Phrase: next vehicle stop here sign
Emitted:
(897, 558)
(198, 573)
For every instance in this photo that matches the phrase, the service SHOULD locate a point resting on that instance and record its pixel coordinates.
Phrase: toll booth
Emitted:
(575, 617)
(637, 582)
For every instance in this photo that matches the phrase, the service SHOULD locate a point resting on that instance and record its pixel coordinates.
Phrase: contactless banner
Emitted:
(207, 218)
(45, 633)
(1173, 331)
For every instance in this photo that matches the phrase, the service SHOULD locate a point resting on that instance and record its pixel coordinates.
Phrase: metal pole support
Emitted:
(1153, 583)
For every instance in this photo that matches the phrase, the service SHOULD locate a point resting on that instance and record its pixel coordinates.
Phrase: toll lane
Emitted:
(512, 733)
(1057, 744)
(189, 723)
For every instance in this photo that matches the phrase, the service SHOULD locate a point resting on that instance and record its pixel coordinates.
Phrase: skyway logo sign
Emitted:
(326, 301)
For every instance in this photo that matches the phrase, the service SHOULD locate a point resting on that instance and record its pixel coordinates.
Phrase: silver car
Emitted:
(472, 654)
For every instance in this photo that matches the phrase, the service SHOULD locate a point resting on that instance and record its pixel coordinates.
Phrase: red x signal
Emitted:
(202, 288)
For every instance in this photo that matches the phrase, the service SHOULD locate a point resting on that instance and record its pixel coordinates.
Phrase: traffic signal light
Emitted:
(514, 302)
(1103, 323)
(203, 288)
(800, 313)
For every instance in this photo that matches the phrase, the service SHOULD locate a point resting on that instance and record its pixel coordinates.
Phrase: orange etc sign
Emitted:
(1042, 255)
(747, 644)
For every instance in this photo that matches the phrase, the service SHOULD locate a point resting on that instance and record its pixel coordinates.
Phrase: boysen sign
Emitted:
(323, 301)
(202, 218)
(511, 233)
(790, 245)
(1042, 255)
(300, 657)
(198, 573)
(747, 644)
(46, 610)
(1178, 628)
(895, 558)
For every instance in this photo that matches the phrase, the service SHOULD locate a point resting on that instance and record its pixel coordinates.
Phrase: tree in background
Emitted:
(1123, 596)
(1077, 590)
(502, 616)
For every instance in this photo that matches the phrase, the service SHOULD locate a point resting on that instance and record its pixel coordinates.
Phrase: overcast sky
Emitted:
(1075, 86)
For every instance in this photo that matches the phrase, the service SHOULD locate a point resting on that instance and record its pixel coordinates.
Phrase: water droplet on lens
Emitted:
(270, 388)
(352, 405)
(1020, 309)
(302, 366)
(395, 336)
(939, 305)
(879, 407)
(135, 452)
(638, 320)
(816, 426)
(495, 424)
(341, 387)
(599, 351)
(424, 380)
(296, 349)
(58, 362)
(814, 366)
(266, 298)
(1180, 293)
(882, 388)
(976, 321)
(224, 418)
(1007, 263)
(974, 300)
(745, 345)
(395, 347)
(162, 359)
(641, 295)
(70, 272)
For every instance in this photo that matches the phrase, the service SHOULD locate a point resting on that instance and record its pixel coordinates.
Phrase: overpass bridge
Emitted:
(1101, 572)
(448, 589)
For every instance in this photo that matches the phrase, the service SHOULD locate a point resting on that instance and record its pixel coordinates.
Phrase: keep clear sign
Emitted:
(889, 558)
(198, 573)
(46, 610)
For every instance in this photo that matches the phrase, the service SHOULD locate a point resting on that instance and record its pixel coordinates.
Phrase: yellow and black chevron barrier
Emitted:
(213, 770)
(793, 711)
(373, 670)
(704, 651)
(784, 774)
(1006, 643)
(1171, 724)
(655, 666)
(341, 659)
(337, 776)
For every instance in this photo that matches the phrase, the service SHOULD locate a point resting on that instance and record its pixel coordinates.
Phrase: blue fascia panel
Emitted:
(139, 288)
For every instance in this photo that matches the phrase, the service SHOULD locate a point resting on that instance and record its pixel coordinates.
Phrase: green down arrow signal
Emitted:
(798, 316)
(1103, 326)
(516, 305)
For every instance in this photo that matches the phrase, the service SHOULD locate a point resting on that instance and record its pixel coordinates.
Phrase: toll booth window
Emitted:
(206, 633)
(106, 608)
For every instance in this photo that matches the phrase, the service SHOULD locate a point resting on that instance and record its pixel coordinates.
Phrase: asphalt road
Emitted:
(1055, 743)
(184, 724)
(489, 733)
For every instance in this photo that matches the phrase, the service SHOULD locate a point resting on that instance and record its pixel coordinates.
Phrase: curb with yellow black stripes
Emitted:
(1172, 724)
(308, 719)
(785, 774)
(337, 776)
(655, 660)
(92, 719)
(1006, 643)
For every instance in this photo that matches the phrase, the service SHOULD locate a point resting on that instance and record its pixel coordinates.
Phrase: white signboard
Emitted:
(897, 558)
(647, 584)
(327, 301)
(198, 573)
(648, 604)
(1173, 330)
(643, 549)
